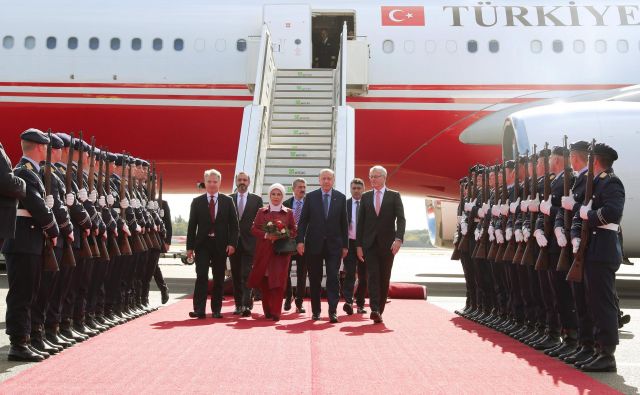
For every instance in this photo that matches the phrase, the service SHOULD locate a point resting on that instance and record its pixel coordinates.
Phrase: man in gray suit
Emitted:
(247, 205)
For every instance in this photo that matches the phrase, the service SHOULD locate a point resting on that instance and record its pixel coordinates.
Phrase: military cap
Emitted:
(463, 180)
(510, 164)
(34, 136)
(66, 139)
(544, 152)
(77, 143)
(145, 163)
(522, 159)
(558, 150)
(579, 146)
(119, 159)
(110, 156)
(602, 149)
(56, 142)
(138, 161)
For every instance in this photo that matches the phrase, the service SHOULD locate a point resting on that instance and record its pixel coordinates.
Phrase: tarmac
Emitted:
(444, 280)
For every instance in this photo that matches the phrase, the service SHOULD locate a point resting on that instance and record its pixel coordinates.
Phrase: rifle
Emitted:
(510, 249)
(517, 257)
(99, 242)
(104, 187)
(565, 252)
(455, 256)
(480, 251)
(147, 236)
(151, 189)
(162, 243)
(50, 262)
(86, 250)
(542, 263)
(577, 267)
(125, 247)
(138, 245)
(505, 200)
(68, 258)
(464, 243)
(493, 250)
(528, 257)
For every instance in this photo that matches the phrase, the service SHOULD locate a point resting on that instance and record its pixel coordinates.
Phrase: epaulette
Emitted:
(604, 174)
(29, 166)
(552, 176)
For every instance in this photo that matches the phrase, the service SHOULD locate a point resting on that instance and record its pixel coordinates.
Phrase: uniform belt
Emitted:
(117, 210)
(613, 227)
(23, 213)
(476, 220)
(211, 235)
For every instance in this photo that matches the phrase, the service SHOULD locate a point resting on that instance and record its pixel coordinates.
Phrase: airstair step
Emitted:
(298, 153)
(301, 117)
(306, 172)
(303, 102)
(305, 73)
(281, 87)
(290, 141)
(304, 80)
(298, 162)
(301, 132)
(300, 124)
(302, 109)
(303, 94)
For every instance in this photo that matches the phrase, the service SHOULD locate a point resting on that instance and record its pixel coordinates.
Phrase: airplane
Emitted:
(168, 80)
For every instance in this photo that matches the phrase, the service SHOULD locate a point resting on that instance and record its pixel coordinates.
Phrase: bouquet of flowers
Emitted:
(276, 228)
(284, 244)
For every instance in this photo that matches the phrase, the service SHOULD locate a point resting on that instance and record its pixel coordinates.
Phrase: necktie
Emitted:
(297, 211)
(241, 206)
(325, 204)
(212, 211)
(356, 217)
(378, 198)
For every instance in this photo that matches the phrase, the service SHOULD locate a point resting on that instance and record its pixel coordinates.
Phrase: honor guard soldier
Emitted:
(24, 253)
(12, 188)
(603, 255)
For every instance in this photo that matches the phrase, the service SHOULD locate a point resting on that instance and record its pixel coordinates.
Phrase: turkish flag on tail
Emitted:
(402, 16)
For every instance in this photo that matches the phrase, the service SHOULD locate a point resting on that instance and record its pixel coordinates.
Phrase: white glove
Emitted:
(143, 203)
(162, 213)
(560, 237)
(491, 237)
(534, 204)
(568, 202)
(509, 234)
(584, 210)
(495, 210)
(102, 201)
(135, 203)
(519, 235)
(48, 201)
(110, 200)
(156, 206)
(125, 229)
(71, 237)
(115, 232)
(477, 233)
(469, 206)
(545, 206)
(542, 241)
(464, 228)
(69, 199)
(124, 203)
(504, 209)
(526, 233)
(499, 236)
(82, 195)
(155, 227)
(138, 228)
(150, 205)
(513, 206)
(524, 206)
(491, 230)
(93, 196)
(459, 219)
(575, 242)
(484, 209)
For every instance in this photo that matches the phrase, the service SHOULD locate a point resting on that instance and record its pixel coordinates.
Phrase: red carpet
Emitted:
(421, 349)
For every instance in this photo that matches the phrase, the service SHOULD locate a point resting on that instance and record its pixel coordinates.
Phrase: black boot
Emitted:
(51, 334)
(604, 362)
(550, 341)
(68, 333)
(569, 344)
(164, 293)
(19, 350)
(81, 328)
(38, 343)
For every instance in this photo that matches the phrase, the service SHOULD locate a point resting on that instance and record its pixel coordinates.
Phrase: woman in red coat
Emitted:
(270, 270)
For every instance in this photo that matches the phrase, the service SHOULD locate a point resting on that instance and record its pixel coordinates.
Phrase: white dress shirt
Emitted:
(354, 220)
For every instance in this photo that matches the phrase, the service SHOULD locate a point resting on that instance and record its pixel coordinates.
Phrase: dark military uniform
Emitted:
(12, 188)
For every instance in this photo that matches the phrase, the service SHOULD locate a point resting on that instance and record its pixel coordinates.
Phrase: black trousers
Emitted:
(583, 313)
(158, 278)
(208, 255)
(484, 285)
(600, 282)
(468, 269)
(23, 275)
(331, 261)
(48, 282)
(75, 301)
(59, 293)
(96, 287)
(241, 263)
(301, 279)
(352, 265)
(112, 285)
(499, 286)
(552, 317)
(515, 295)
(379, 261)
(563, 297)
(153, 257)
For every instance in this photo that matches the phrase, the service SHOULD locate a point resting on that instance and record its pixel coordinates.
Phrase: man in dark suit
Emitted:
(295, 203)
(380, 234)
(165, 215)
(322, 236)
(247, 206)
(212, 234)
(12, 188)
(351, 262)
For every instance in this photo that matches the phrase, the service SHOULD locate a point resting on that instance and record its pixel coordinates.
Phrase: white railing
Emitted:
(343, 142)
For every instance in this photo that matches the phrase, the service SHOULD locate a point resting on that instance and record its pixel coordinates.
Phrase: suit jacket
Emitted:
(12, 188)
(383, 228)
(314, 229)
(226, 225)
(252, 204)
(166, 219)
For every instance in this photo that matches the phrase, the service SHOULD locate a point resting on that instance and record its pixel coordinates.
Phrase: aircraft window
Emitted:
(623, 46)
(430, 46)
(494, 46)
(94, 43)
(30, 42)
(558, 46)
(115, 43)
(241, 45)
(7, 42)
(578, 46)
(601, 46)
(72, 43)
(472, 46)
(199, 44)
(136, 44)
(536, 46)
(51, 42)
(409, 46)
(178, 44)
(220, 45)
(387, 46)
(451, 46)
(157, 44)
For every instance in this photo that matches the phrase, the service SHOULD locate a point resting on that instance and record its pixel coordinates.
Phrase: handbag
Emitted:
(284, 246)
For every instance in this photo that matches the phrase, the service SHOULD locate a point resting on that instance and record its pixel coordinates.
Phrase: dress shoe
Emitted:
(81, 328)
(68, 333)
(238, 310)
(216, 315)
(604, 362)
(549, 342)
(164, 294)
(592, 358)
(52, 345)
(104, 321)
(623, 320)
(22, 353)
(43, 354)
(246, 312)
(276, 318)
(376, 317)
(581, 354)
(563, 349)
(348, 308)
(199, 316)
(300, 310)
(333, 318)
(39, 344)
(315, 316)
(53, 338)
(361, 310)
(287, 305)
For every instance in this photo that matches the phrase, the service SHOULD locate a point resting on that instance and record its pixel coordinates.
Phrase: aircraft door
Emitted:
(290, 27)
